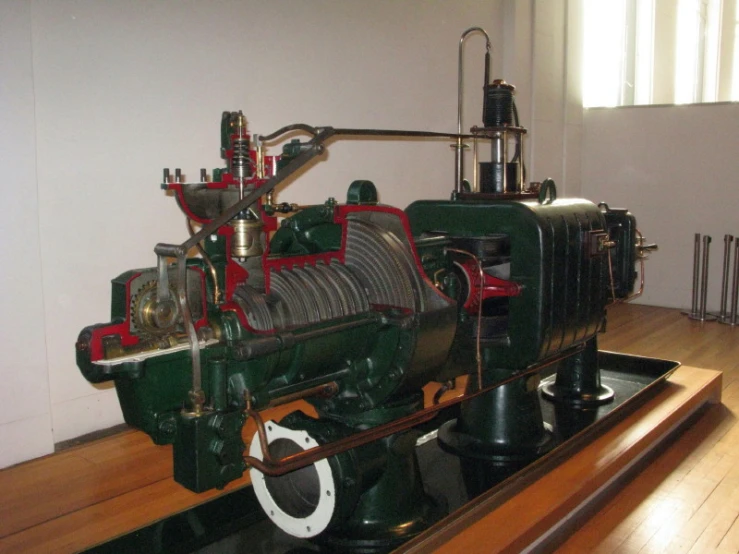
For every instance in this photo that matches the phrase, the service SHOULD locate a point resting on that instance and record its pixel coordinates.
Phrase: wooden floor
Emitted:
(686, 500)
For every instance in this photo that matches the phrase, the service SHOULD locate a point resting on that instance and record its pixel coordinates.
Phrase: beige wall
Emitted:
(99, 96)
(675, 168)
(542, 58)
(25, 413)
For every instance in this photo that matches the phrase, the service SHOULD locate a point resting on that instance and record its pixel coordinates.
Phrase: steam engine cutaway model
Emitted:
(355, 307)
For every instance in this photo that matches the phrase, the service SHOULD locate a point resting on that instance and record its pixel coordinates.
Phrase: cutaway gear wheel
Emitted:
(143, 306)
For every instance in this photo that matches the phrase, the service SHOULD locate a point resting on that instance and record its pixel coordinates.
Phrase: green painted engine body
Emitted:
(371, 301)
(380, 357)
(562, 275)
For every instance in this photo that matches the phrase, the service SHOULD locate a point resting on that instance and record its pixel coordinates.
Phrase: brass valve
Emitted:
(643, 249)
(605, 243)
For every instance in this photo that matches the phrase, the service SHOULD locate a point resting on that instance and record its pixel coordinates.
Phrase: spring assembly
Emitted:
(240, 158)
(500, 117)
(240, 161)
(498, 104)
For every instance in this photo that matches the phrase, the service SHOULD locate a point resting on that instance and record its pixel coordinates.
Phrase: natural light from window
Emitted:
(660, 52)
(687, 41)
(644, 52)
(735, 72)
(603, 56)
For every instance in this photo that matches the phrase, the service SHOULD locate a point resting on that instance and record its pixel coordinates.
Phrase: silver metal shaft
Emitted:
(735, 285)
(704, 276)
(696, 270)
(700, 273)
(728, 239)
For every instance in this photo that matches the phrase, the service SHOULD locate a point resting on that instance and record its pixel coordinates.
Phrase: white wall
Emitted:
(675, 168)
(542, 58)
(25, 414)
(99, 96)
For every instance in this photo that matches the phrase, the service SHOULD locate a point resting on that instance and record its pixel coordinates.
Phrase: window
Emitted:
(660, 51)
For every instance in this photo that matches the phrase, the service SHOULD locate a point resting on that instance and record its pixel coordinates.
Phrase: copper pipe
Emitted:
(313, 455)
(211, 268)
(610, 275)
(451, 384)
(308, 457)
(639, 292)
(325, 391)
(262, 434)
(478, 350)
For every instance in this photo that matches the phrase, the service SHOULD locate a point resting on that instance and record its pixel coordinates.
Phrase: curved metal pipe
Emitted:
(208, 262)
(459, 147)
(478, 349)
(275, 468)
(288, 129)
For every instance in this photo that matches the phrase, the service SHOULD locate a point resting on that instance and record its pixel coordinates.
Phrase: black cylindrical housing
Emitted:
(498, 104)
(491, 177)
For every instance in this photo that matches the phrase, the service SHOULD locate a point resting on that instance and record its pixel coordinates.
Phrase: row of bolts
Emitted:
(698, 308)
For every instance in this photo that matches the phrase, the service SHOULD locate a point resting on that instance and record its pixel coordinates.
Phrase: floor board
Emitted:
(687, 499)
(683, 501)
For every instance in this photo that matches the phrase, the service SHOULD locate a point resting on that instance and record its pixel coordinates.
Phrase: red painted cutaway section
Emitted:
(492, 287)
(123, 329)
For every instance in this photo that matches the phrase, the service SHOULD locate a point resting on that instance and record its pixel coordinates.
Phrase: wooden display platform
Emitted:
(551, 507)
(89, 494)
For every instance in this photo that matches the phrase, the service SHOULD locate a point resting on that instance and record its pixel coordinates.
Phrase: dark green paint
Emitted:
(564, 290)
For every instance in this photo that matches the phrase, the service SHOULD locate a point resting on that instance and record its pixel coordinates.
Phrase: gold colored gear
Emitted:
(149, 316)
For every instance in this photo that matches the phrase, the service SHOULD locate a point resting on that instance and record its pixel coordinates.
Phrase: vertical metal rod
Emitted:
(459, 147)
(696, 269)
(728, 239)
(521, 184)
(197, 396)
(704, 276)
(505, 161)
(458, 175)
(735, 285)
(475, 176)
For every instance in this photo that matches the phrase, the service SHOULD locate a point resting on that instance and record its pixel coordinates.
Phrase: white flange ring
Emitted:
(318, 520)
